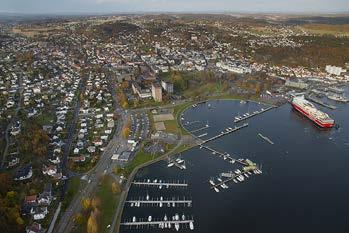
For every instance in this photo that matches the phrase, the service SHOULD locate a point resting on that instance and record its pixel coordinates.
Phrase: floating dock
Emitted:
(161, 203)
(160, 183)
(253, 114)
(161, 224)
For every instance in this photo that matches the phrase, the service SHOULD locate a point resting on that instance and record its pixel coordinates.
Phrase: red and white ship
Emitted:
(309, 110)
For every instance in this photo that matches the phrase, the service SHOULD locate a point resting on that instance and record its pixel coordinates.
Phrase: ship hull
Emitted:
(317, 122)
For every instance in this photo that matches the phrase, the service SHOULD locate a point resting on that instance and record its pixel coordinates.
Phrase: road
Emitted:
(116, 145)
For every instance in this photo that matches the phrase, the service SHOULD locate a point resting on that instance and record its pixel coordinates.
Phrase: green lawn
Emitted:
(109, 202)
(74, 186)
(171, 126)
(140, 158)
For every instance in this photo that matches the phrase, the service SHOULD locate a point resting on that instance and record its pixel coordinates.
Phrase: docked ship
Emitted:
(309, 110)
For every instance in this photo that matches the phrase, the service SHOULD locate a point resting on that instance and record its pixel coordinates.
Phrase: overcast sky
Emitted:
(111, 6)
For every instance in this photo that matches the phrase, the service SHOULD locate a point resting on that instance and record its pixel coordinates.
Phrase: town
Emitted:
(86, 101)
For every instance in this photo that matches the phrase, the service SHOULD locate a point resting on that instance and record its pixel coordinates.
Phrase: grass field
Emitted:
(140, 158)
(74, 186)
(109, 202)
(322, 29)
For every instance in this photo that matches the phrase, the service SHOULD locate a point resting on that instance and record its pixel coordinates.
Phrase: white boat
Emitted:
(170, 164)
(147, 197)
(132, 204)
(183, 217)
(179, 160)
(149, 219)
(177, 226)
(235, 181)
(176, 217)
(216, 189)
(134, 219)
(191, 225)
(165, 218)
(211, 182)
(219, 179)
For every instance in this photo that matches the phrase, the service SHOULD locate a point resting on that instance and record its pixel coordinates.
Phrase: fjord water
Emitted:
(304, 186)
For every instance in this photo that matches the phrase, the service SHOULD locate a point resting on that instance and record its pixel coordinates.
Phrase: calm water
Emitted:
(304, 186)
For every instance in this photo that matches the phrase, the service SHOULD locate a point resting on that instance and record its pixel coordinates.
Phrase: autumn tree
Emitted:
(92, 224)
(86, 203)
(126, 132)
(115, 187)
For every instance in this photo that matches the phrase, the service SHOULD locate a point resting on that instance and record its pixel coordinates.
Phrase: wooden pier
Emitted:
(254, 114)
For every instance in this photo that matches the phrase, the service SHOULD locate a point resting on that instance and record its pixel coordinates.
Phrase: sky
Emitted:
(114, 6)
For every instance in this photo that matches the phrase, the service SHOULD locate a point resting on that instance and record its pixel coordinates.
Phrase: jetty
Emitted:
(242, 118)
(228, 131)
(266, 138)
(225, 156)
(192, 122)
(160, 184)
(202, 128)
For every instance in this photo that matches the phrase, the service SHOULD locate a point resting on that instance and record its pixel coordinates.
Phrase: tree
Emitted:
(126, 132)
(5, 183)
(79, 219)
(92, 225)
(86, 203)
(19, 221)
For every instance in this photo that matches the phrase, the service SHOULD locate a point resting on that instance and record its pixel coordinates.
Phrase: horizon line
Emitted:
(90, 13)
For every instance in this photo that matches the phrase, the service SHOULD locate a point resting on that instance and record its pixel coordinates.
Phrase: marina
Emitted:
(249, 190)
